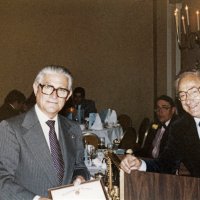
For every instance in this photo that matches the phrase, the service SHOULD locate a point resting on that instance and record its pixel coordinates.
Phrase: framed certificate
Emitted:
(89, 190)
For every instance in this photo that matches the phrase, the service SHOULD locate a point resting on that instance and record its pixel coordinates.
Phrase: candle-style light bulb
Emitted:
(197, 13)
(187, 15)
(183, 22)
(176, 21)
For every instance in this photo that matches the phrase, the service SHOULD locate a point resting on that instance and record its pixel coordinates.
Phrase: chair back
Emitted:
(143, 131)
(129, 139)
(125, 121)
(91, 138)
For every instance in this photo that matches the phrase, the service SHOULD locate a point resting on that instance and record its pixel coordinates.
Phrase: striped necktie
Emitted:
(156, 142)
(56, 151)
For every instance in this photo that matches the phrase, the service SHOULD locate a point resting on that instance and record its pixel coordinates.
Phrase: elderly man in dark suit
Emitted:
(184, 139)
(41, 149)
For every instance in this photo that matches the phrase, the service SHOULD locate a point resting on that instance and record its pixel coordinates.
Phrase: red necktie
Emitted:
(56, 151)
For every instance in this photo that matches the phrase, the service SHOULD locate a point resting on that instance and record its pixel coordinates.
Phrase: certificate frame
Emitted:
(93, 189)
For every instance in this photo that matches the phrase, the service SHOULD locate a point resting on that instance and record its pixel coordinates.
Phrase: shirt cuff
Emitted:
(36, 197)
(143, 166)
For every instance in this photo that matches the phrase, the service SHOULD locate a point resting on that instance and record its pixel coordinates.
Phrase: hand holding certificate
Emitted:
(89, 190)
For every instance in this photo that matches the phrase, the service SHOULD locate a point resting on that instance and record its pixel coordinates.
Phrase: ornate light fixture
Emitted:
(186, 38)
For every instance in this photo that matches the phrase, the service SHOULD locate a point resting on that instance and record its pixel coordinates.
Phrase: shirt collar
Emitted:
(42, 117)
(167, 122)
(197, 120)
(12, 106)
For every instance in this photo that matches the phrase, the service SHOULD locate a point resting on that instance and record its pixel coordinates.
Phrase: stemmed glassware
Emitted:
(91, 152)
(102, 143)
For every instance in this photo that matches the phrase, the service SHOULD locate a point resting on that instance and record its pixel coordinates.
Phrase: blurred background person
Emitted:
(30, 102)
(158, 132)
(86, 104)
(13, 104)
(78, 101)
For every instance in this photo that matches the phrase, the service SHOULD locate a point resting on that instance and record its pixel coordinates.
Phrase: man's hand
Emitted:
(79, 180)
(44, 198)
(129, 163)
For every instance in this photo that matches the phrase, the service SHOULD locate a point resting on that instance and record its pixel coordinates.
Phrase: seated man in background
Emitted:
(184, 139)
(13, 104)
(78, 98)
(30, 102)
(158, 133)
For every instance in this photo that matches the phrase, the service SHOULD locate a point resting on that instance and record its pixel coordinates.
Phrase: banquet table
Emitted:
(110, 134)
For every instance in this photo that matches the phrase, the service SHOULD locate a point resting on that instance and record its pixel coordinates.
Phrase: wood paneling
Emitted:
(146, 186)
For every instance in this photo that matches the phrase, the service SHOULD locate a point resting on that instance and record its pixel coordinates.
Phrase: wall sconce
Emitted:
(186, 38)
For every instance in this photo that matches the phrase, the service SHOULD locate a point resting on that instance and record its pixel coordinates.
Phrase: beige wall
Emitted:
(108, 46)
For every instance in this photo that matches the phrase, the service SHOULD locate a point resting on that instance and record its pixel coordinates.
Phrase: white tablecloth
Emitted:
(109, 134)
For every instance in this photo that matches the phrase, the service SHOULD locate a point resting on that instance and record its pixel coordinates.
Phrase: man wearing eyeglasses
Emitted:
(158, 132)
(184, 139)
(40, 149)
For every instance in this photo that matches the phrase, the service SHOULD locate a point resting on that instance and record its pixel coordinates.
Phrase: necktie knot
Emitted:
(50, 123)
(162, 125)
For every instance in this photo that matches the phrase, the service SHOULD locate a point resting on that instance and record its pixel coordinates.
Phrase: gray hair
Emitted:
(54, 69)
(183, 73)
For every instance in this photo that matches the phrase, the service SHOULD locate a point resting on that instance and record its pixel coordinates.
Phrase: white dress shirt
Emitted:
(43, 119)
(197, 121)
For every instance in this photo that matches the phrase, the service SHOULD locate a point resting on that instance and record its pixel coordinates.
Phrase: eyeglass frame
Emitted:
(165, 108)
(54, 89)
(191, 95)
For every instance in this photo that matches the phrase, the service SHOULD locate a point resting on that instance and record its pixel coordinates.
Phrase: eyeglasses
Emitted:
(192, 92)
(164, 108)
(49, 89)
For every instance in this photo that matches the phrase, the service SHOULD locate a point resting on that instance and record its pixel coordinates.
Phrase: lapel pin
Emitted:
(73, 136)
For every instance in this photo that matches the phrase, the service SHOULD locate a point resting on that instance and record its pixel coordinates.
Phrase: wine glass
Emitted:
(91, 152)
(102, 143)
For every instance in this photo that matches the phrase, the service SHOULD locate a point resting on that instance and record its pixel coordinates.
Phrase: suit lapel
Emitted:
(37, 144)
(190, 138)
(192, 135)
(67, 142)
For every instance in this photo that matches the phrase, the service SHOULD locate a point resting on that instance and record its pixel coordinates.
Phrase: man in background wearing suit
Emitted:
(41, 149)
(184, 140)
(86, 104)
(78, 101)
(157, 136)
(13, 104)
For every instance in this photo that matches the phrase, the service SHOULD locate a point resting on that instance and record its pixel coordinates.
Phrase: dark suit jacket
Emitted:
(148, 146)
(88, 106)
(26, 167)
(183, 145)
(7, 111)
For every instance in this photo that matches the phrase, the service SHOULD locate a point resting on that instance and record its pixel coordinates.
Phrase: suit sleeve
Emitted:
(169, 160)
(80, 168)
(9, 159)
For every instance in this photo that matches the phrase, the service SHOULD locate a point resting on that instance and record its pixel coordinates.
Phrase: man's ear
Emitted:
(70, 94)
(174, 110)
(35, 88)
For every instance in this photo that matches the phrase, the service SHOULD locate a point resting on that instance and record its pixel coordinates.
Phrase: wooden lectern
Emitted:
(155, 186)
